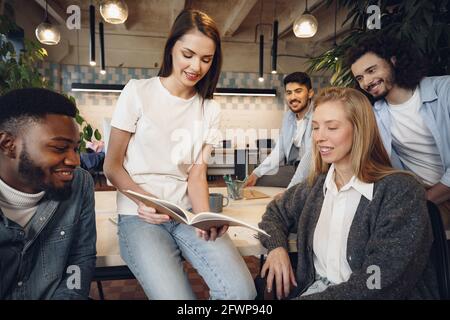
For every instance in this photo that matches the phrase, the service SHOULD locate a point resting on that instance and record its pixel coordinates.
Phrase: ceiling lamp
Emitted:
(306, 25)
(92, 35)
(274, 47)
(102, 48)
(47, 33)
(261, 47)
(261, 58)
(114, 11)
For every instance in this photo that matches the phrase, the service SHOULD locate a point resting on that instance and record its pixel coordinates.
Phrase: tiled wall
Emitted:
(237, 111)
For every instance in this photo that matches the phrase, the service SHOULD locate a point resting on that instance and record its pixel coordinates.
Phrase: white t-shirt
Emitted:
(413, 141)
(300, 132)
(168, 135)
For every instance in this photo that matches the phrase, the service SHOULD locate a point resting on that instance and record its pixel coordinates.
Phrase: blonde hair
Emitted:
(369, 160)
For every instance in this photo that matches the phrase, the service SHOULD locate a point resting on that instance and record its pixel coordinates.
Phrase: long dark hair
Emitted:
(186, 21)
(410, 66)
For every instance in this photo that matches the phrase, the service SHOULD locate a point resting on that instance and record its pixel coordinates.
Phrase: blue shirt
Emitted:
(284, 145)
(435, 111)
(54, 258)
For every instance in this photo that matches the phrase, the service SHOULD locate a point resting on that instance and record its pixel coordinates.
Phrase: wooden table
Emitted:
(250, 211)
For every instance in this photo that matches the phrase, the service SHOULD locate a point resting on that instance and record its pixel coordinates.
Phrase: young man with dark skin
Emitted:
(412, 111)
(47, 218)
(294, 144)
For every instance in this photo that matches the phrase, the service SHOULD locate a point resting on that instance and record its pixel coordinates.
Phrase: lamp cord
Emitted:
(46, 11)
(274, 10)
(260, 16)
(335, 21)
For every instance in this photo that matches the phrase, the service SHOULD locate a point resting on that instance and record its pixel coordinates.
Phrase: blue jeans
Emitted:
(154, 253)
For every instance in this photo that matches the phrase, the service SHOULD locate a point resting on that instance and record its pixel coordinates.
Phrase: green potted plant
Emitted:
(422, 22)
(19, 70)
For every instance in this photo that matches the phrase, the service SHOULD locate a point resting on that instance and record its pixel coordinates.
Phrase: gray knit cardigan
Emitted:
(392, 232)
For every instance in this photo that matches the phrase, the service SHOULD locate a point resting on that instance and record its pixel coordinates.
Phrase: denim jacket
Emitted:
(54, 258)
(285, 142)
(435, 111)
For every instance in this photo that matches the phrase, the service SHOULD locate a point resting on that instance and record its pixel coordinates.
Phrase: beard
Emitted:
(383, 94)
(379, 97)
(299, 107)
(388, 81)
(34, 174)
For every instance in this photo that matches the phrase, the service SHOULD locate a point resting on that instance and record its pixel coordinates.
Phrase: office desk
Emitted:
(250, 211)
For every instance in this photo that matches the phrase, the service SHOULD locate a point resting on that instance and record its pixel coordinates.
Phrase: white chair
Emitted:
(106, 133)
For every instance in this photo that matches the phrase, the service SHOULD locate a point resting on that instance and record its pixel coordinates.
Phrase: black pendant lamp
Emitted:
(92, 35)
(261, 46)
(275, 47)
(102, 48)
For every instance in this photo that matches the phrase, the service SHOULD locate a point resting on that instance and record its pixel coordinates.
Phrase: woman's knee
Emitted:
(246, 290)
(241, 287)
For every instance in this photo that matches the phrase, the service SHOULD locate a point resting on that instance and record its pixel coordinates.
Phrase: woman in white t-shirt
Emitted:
(163, 130)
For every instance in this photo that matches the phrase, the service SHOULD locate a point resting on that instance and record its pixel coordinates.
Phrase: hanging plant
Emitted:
(422, 22)
(86, 130)
(20, 71)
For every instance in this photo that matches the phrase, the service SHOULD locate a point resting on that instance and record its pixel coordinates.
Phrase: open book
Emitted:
(202, 220)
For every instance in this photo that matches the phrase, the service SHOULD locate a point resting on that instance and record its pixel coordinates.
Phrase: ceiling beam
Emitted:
(175, 7)
(236, 15)
(54, 10)
(287, 17)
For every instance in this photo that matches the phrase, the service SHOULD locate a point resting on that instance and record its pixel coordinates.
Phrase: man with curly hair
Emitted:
(412, 111)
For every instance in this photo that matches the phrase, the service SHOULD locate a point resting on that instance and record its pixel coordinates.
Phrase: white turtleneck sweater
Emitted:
(18, 206)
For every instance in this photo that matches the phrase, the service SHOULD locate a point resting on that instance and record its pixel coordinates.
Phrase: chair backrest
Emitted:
(106, 134)
(440, 251)
(265, 143)
(106, 131)
(226, 144)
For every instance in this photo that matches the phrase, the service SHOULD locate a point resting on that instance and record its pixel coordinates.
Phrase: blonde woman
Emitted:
(362, 227)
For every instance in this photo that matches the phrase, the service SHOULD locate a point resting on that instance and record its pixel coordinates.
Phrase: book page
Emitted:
(206, 220)
(161, 206)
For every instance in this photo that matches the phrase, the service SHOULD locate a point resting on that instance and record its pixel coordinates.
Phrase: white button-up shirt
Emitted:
(336, 216)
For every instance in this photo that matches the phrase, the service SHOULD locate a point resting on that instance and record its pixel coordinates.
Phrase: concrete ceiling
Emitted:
(237, 19)
(140, 40)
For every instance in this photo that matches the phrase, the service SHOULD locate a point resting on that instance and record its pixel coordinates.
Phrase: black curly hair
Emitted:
(22, 107)
(410, 66)
(298, 77)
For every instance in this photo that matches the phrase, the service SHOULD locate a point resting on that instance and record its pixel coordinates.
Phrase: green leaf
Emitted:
(82, 145)
(79, 119)
(428, 16)
(72, 99)
(97, 135)
(422, 22)
(87, 132)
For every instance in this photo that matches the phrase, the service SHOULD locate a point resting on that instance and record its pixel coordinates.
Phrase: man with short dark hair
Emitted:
(294, 145)
(412, 111)
(47, 218)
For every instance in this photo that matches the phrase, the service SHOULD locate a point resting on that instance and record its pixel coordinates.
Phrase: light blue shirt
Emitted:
(284, 145)
(435, 111)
